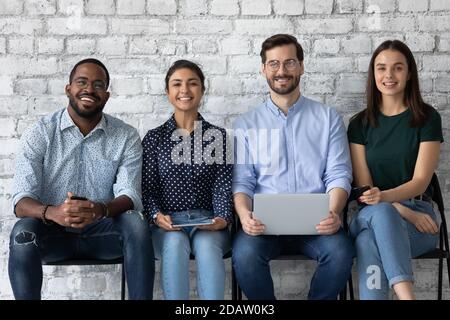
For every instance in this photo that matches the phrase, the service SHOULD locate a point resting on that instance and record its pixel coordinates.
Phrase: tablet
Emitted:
(193, 224)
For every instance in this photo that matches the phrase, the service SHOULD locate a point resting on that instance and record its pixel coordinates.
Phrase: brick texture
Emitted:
(138, 39)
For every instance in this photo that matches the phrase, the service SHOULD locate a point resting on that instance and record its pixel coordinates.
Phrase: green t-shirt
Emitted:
(393, 146)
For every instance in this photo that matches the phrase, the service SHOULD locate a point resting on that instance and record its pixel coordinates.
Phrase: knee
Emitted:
(25, 232)
(132, 224)
(385, 213)
(365, 240)
(209, 242)
(175, 241)
(382, 212)
(243, 251)
(342, 251)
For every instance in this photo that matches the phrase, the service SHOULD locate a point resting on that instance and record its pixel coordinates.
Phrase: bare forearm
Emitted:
(242, 204)
(405, 191)
(28, 207)
(338, 199)
(119, 205)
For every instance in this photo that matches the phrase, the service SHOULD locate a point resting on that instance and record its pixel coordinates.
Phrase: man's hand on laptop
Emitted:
(252, 227)
(329, 225)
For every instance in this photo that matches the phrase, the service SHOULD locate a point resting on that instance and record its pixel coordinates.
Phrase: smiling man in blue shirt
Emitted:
(290, 144)
(77, 190)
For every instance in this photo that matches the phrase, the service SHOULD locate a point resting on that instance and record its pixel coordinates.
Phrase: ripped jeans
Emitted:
(126, 235)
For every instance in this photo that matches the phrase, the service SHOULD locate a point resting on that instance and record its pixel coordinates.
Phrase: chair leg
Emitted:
(239, 292)
(441, 266)
(233, 285)
(448, 270)
(122, 284)
(350, 288)
(343, 293)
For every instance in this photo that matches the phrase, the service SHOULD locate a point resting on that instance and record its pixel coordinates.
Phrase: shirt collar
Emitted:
(292, 110)
(171, 124)
(67, 122)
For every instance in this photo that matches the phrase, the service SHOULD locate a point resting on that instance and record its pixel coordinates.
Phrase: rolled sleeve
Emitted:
(338, 172)
(129, 173)
(222, 204)
(244, 176)
(27, 180)
(342, 183)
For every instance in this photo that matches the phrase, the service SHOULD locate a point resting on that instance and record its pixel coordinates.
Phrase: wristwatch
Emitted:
(154, 216)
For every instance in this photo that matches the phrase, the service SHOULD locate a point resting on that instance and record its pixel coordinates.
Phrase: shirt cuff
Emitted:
(342, 183)
(243, 189)
(135, 198)
(227, 217)
(19, 196)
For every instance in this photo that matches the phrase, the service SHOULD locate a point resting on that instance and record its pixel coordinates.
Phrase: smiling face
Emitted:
(185, 90)
(87, 92)
(282, 81)
(391, 73)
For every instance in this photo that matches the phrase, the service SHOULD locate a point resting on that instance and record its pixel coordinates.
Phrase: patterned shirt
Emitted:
(54, 157)
(186, 173)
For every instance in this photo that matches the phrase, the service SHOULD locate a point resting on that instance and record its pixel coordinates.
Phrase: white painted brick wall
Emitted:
(21, 46)
(161, 7)
(289, 7)
(193, 7)
(11, 7)
(50, 45)
(38, 7)
(319, 7)
(413, 6)
(2, 45)
(31, 86)
(130, 7)
(69, 7)
(104, 7)
(439, 5)
(224, 7)
(256, 7)
(138, 39)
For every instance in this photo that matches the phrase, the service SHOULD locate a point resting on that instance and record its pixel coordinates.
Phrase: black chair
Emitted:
(88, 261)
(285, 255)
(440, 253)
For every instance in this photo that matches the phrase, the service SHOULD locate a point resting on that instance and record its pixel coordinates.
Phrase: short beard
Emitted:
(283, 91)
(85, 114)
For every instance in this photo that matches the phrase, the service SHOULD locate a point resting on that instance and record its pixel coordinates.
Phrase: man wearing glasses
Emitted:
(307, 142)
(77, 191)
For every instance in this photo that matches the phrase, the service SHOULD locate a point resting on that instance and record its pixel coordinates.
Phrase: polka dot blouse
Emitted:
(183, 171)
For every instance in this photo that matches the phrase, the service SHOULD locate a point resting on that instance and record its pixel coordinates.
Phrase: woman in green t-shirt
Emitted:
(395, 146)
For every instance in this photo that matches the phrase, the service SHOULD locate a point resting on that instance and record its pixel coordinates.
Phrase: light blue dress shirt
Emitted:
(54, 157)
(303, 152)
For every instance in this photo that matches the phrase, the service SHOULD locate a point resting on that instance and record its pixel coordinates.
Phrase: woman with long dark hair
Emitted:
(395, 146)
(186, 189)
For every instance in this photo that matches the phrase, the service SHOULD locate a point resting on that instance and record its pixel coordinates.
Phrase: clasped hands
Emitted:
(75, 213)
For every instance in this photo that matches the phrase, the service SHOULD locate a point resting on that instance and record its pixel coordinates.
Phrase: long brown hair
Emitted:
(413, 99)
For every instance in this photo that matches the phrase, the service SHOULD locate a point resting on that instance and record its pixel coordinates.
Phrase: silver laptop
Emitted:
(291, 214)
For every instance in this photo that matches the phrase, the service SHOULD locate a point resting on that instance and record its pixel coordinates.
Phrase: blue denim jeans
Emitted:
(385, 244)
(173, 248)
(126, 235)
(252, 254)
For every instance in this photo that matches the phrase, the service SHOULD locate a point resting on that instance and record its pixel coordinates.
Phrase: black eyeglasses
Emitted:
(98, 85)
(289, 64)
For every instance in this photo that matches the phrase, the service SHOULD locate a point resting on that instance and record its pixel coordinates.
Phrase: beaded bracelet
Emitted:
(43, 218)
